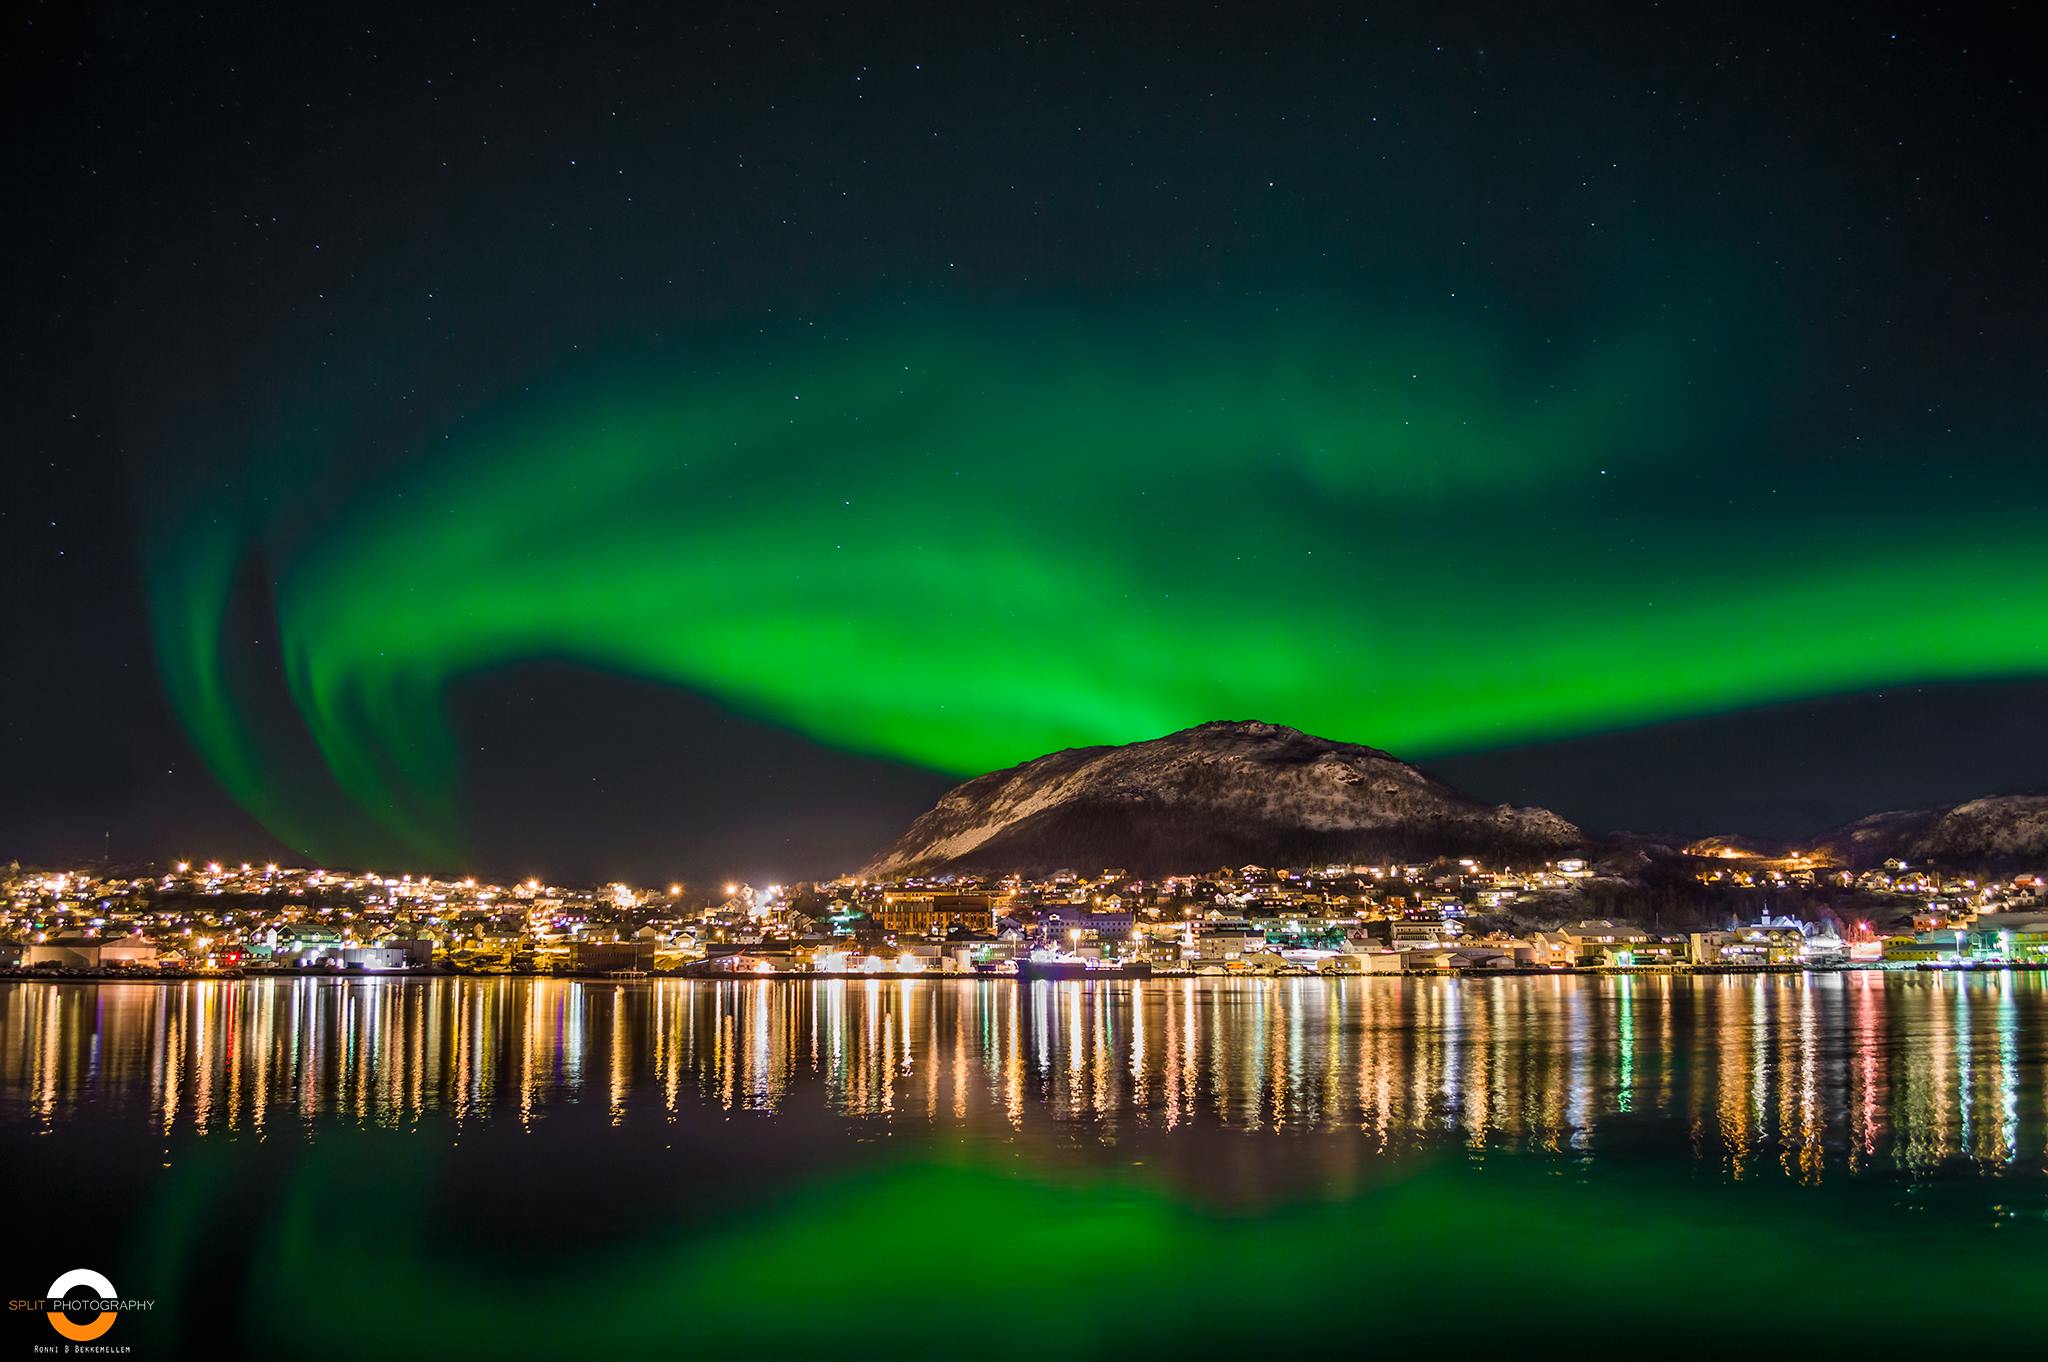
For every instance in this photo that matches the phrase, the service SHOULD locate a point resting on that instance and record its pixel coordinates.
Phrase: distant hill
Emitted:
(1227, 793)
(1733, 846)
(2001, 831)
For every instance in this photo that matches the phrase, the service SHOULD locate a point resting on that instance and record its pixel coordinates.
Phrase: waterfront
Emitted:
(1131, 1163)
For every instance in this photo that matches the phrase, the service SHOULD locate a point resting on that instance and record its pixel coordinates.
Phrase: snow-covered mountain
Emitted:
(2000, 830)
(1218, 794)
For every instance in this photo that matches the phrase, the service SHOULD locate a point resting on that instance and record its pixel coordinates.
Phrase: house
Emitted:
(1412, 933)
(1597, 941)
(1550, 948)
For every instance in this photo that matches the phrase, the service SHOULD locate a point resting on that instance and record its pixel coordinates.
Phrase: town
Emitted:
(1733, 910)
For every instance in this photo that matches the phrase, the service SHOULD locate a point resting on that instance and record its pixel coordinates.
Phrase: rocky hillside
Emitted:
(2004, 830)
(1219, 794)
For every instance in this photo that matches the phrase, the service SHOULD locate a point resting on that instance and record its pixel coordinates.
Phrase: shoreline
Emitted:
(1113, 975)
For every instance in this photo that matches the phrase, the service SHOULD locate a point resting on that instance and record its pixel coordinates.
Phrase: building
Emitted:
(1094, 924)
(1764, 945)
(596, 956)
(1228, 939)
(1602, 942)
(1415, 933)
(416, 954)
(89, 952)
(1650, 952)
(924, 912)
(2019, 936)
(1958, 945)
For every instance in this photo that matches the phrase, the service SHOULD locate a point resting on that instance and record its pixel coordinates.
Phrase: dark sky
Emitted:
(682, 440)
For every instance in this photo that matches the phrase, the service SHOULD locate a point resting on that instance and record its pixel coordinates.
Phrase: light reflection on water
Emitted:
(1809, 1075)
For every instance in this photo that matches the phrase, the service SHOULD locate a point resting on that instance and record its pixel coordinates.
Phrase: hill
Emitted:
(1225, 793)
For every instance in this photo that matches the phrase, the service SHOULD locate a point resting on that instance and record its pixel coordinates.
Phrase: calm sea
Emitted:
(550, 1168)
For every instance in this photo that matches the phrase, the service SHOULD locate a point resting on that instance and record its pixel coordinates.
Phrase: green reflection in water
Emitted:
(959, 1248)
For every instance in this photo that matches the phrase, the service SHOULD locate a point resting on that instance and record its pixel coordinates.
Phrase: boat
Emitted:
(1047, 965)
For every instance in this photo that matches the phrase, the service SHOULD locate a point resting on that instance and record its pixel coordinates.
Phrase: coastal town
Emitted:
(1732, 910)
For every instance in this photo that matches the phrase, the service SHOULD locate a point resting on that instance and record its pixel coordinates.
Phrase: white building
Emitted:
(89, 952)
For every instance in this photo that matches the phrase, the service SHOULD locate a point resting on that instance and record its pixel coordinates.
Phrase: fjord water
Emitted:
(513, 1167)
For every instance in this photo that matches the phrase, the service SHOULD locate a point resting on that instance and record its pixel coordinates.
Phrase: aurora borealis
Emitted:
(941, 396)
(965, 545)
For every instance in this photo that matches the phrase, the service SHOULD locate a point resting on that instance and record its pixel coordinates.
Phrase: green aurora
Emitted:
(963, 541)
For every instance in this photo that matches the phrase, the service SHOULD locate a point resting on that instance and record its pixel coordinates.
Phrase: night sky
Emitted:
(682, 440)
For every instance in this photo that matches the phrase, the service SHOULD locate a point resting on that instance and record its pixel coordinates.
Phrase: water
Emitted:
(547, 1168)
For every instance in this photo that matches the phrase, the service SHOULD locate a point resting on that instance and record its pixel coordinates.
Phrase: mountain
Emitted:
(1219, 794)
(2003, 830)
